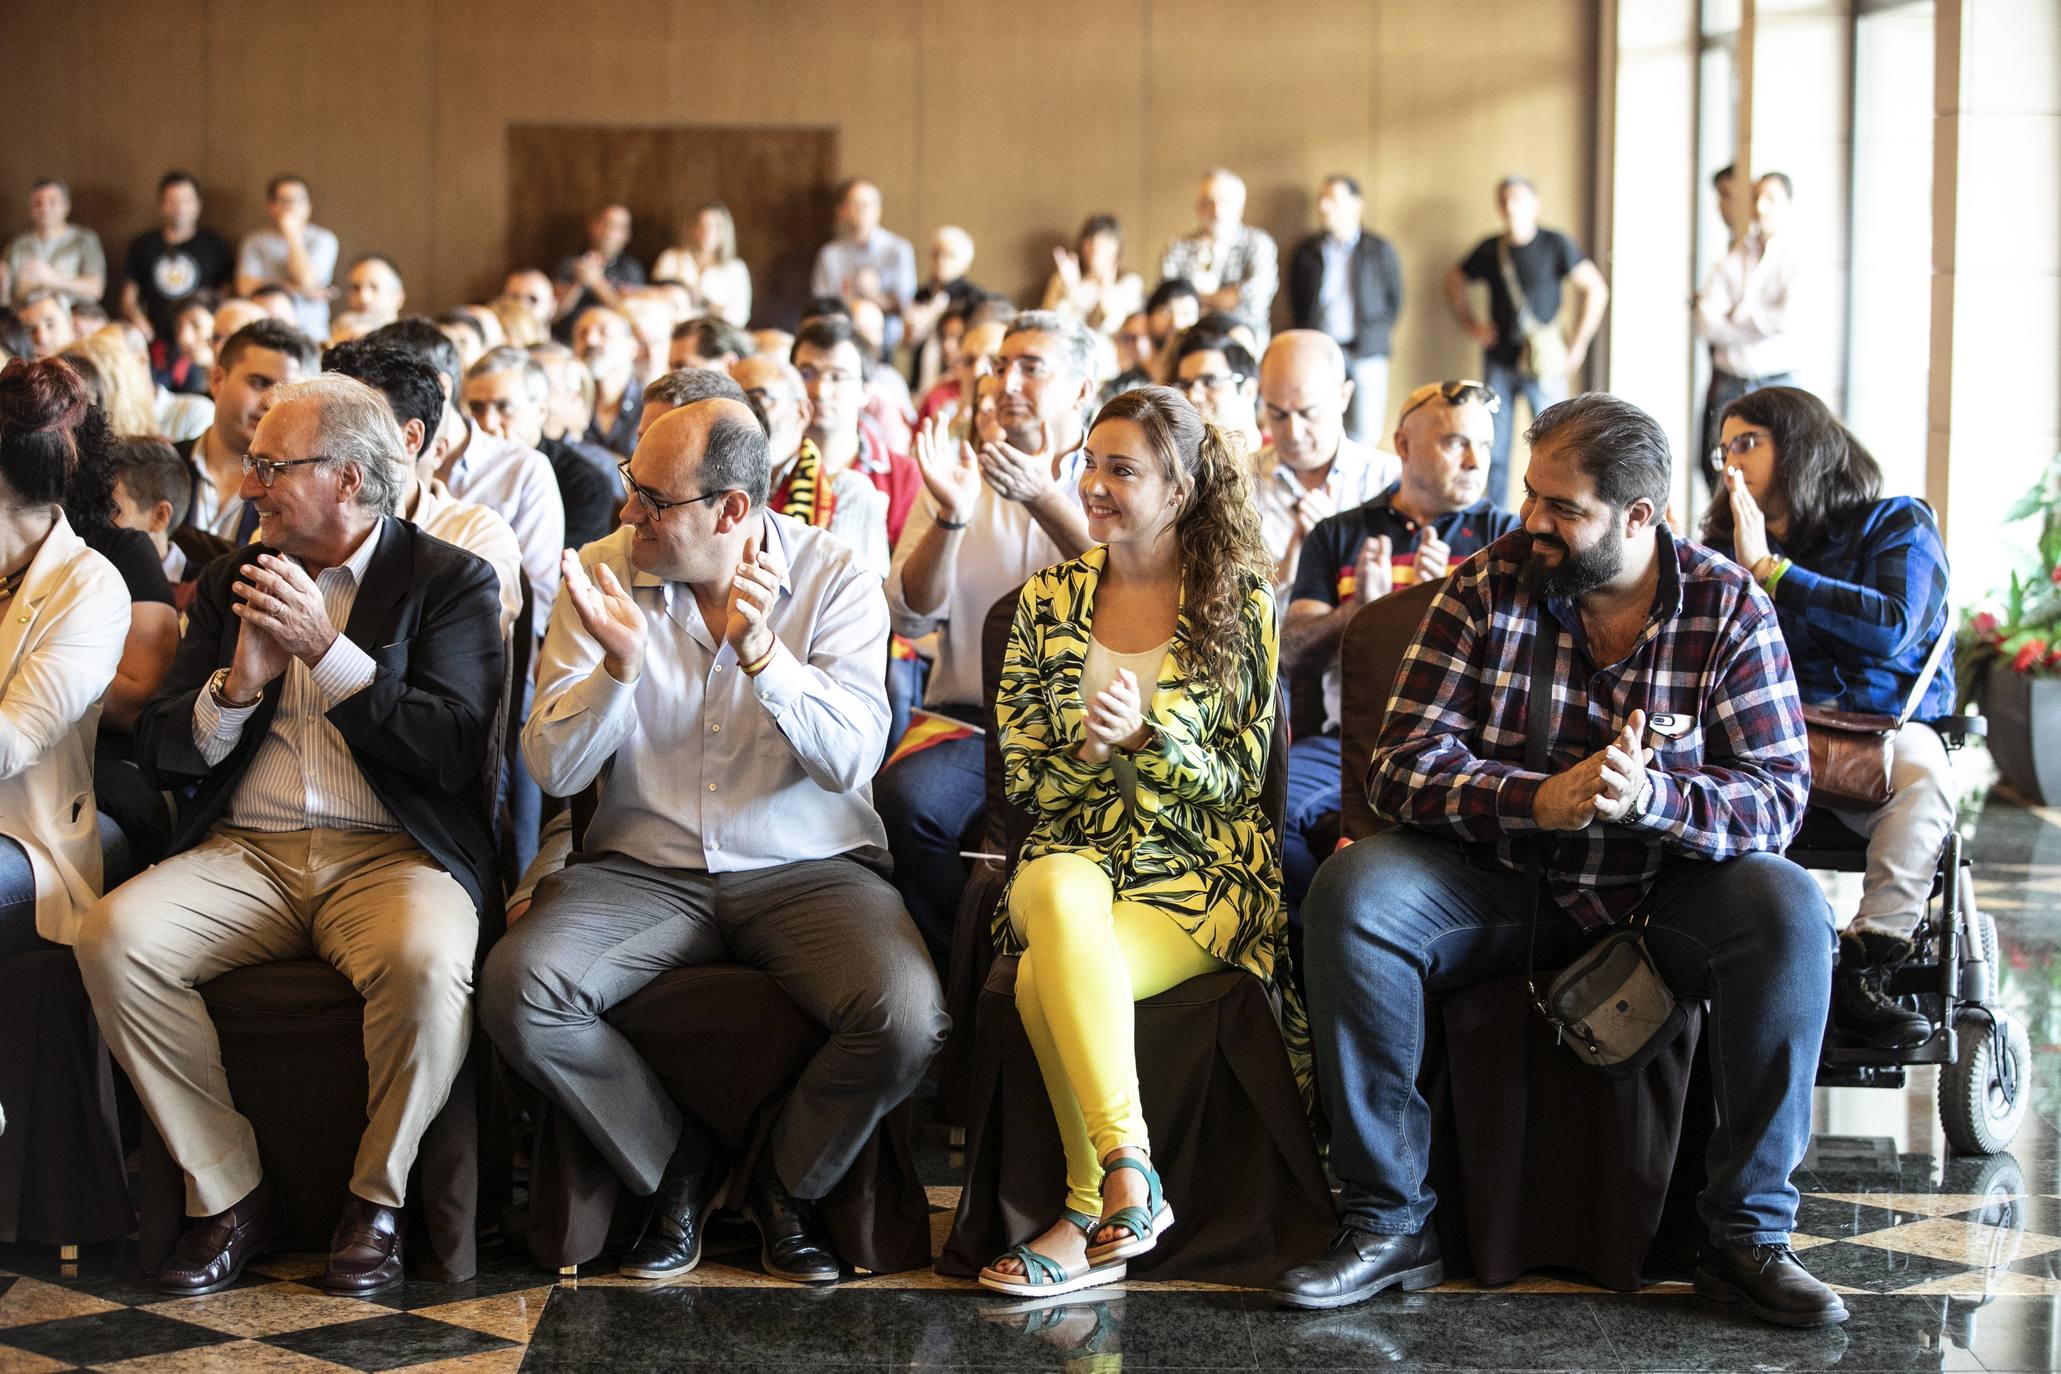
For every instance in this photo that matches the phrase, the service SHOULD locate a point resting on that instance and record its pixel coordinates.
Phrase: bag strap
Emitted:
(1932, 662)
(1527, 323)
(1538, 711)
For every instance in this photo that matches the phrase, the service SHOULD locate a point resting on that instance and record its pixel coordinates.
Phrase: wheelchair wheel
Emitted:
(1987, 924)
(1983, 1094)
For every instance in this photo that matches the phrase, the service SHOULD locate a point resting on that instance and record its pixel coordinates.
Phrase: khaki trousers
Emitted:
(374, 905)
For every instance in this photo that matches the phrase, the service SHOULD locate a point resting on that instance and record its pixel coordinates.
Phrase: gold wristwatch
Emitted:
(218, 687)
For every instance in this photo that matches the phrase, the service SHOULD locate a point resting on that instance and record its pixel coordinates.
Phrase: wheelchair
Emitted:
(1984, 1056)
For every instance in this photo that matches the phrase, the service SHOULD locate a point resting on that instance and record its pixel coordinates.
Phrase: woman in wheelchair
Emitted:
(1136, 708)
(1859, 582)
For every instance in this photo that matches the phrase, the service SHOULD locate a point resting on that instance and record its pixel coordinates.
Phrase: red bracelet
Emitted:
(758, 665)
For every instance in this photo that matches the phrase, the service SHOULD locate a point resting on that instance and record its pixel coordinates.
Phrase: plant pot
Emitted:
(2024, 731)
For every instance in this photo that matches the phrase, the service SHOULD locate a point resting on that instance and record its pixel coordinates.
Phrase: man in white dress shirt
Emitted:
(725, 664)
(1310, 469)
(1743, 312)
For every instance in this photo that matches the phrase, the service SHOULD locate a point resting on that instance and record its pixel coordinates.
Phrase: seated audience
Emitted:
(706, 341)
(189, 348)
(1173, 307)
(119, 381)
(1220, 378)
(1088, 282)
(706, 263)
(1310, 469)
(833, 366)
(1859, 583)
(510, 479)
(507, 394)
(167, 267)
(248, 365)
(754, 842)
(56, 661)
(604, 342)
(415, 394)
(520, 325)
(598, 273)
(844, 503)
(535, 291)
(949, 288)
(1677, 773)
(89, 507)
(651, 318)
(1345, 281)
(1137, 712)
(153, 488)
(676, 390)
(47, 317)
(1426, 523)
(866, 262)
(331, 703)
(55, 254)
(465, 335)
(1232, 265)
(277, 303)
(294, 258)
(994, 517)
(231, 315)
(373, 291)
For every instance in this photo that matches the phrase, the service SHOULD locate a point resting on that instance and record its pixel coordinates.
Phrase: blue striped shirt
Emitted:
(1862, 608)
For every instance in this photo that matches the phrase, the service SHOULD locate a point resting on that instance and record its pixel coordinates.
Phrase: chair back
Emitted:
(1370, 655)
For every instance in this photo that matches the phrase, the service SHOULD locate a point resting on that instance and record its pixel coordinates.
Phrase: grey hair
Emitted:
(1080, 344)
(683, 386)
(355, 427)
(736, 457)
(507, 358)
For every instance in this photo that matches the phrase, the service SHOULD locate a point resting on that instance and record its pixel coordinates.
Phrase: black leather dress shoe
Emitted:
(364, 1250)
(670, 1244)
(793, 1243)
(211, 1254)
(1771, 1282)
(1358, 1264)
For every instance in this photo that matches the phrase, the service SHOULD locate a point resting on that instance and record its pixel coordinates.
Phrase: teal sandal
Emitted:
(1045, 1277)
(1146, 1224)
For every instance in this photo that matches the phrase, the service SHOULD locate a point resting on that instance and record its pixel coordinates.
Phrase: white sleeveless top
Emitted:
(1098, 669)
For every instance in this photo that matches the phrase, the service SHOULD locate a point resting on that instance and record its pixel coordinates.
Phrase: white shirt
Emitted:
(1358, 475)
(263, 255)
(723, 290)
(181, 417)
(1743, 311)
(303, 776)
(174, 564)
(1002, 546)
(713, 769)
(210, 512)
(476, 530)
(517, 484)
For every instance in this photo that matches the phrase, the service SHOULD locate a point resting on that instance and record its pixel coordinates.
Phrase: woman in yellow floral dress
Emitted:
(1136, 711)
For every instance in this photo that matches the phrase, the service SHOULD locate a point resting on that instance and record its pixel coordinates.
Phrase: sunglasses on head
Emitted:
(1453, 394)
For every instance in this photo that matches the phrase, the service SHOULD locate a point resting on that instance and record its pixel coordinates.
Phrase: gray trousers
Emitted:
(1905, 833)
(831, 932)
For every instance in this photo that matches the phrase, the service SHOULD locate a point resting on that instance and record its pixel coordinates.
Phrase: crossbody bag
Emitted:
(1544, 352)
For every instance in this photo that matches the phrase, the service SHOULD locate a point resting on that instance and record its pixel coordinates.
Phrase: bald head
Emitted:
(782, 398)
(951, 253)
(1221, 201)
(1303, 395)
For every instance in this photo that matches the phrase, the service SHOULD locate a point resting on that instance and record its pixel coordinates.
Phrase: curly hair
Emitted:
(1218, 529)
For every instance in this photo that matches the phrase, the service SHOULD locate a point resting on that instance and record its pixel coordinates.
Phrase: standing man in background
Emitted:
(1234, 267)
(1347, 282)
(1743, 313)
(170, 263)
(55, 254)
(867, 262)
(1525, 268)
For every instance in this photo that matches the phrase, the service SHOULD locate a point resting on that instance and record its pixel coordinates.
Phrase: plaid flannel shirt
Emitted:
(1731, 767)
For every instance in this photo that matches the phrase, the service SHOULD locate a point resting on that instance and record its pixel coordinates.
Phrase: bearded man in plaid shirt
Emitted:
(1677, 772)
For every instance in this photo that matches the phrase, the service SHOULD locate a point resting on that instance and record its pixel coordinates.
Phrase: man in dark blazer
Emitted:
(1347, 282)
(331, 702)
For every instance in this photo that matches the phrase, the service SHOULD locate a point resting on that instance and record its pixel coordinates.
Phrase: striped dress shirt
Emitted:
(303, 776)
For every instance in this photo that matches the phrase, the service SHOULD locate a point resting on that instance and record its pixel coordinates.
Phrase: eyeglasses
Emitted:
(268, 469)
(1738, 446)
(1211, 381)
(1453, 394)
(656, 506)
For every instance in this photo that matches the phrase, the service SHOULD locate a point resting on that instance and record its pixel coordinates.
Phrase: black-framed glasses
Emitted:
(268, 469)
(1453, 393)
(656, 506)
(1738, 446)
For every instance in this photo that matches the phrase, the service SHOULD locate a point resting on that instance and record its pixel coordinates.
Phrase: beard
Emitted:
(1578, 572)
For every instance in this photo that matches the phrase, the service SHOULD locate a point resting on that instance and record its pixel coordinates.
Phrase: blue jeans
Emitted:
(1310, 817)
(1506, 381)
(927, 801)
(1403, 913)
(17, 900)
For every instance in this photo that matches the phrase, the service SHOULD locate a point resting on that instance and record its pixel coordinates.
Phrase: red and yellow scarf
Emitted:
(805, 494)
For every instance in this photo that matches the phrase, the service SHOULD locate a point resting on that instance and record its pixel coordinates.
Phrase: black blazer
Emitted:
(429, 615)
(1377, 290)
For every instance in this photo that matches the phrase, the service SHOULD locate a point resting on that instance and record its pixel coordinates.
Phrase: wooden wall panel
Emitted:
(1012, 120)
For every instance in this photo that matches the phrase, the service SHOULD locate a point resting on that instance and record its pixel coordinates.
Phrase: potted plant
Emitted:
(2009, 658)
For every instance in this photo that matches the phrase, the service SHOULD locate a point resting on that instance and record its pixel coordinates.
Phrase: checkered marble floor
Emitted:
(1947, 1263)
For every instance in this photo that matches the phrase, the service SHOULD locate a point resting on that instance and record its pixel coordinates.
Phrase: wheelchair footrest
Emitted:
(1833, 1074)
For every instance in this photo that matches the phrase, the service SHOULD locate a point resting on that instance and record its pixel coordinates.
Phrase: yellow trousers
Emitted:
(1087, 958)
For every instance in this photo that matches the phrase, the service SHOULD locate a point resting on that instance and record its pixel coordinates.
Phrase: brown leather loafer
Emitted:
(364, 1251)
(211, 1254)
